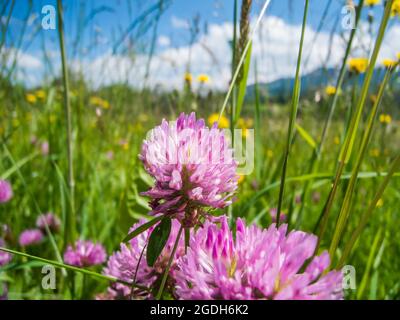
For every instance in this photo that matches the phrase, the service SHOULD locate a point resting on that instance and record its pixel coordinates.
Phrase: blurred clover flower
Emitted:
(358, 65)
(203, 78)
(30, 237)
(223, 122)
(44, 148)
(129, 263)
(85, 254)
(5, 257)
(273, 213)
(193, 167)
(256, 264)
(51, 220)
(5, 191)
(330, 90)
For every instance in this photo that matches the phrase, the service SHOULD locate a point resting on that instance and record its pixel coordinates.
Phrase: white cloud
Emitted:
(275, 48)
(164, 41)
(24, 60)
(179, 23)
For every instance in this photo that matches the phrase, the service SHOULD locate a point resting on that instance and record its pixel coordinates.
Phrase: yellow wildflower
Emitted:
(385, 118)
(223, 122)
(389, 63)
(270, 153)
(203, 78)
(188, 77)
(358, 65)
(40, 94)
(379, 204)
(396, 8)
(375, 152)
(31, 98)
(99, 102)
(330, 90)
(241, 178)
(372, 3)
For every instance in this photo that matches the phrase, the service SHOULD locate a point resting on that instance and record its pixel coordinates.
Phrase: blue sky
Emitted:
(277, 50)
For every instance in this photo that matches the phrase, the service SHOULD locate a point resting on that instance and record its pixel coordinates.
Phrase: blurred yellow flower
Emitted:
(223, 122)
(31, 98)
(385, 118)
(379, 204)
(40, 94)
(389, 63)
(203, 78)
(330, 90)
(125, 146)
(245, 125)
(398, 56)
(396, 8)
(358, 65)
(270, 153)
(188, 77)
(375, 153)
(99, 102)
(372, 3)
(336, 140)
(241, 178)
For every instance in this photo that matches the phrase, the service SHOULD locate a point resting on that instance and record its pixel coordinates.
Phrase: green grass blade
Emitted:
(368, 213)
(346, 205)
(242, 58)
(69, 267)
(293, 113)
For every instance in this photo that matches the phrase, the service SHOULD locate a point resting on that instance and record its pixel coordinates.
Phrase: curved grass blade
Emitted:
(367, 215)
(69, 267)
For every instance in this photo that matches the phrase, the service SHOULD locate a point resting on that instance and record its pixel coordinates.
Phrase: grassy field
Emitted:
(341, 181)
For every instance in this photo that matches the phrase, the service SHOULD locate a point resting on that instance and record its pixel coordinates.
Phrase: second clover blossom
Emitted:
(30, 237)
(85, 254)
(5, 191)
(193, 167)
(129, 264)
(256, 264)
(52, 221)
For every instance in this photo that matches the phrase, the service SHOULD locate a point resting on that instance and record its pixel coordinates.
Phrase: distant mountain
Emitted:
(281, 90)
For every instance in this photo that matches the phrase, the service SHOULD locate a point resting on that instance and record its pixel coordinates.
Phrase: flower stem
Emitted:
(166, 272)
